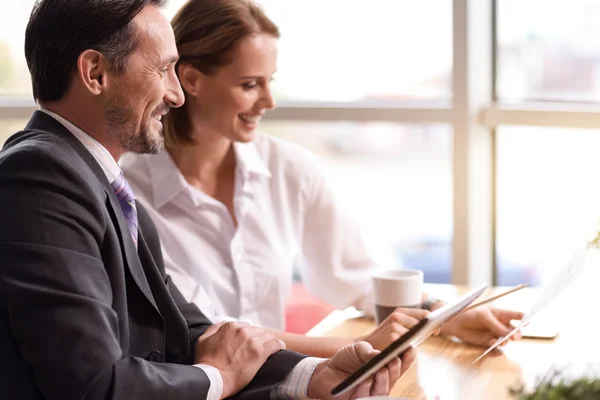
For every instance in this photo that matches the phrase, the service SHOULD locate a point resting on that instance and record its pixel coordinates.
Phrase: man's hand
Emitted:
(237, 350)
(331, 372)
(482, 326)
(394, 326)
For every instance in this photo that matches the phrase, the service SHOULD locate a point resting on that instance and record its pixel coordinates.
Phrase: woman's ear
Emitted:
(190, 79)
(92, 70)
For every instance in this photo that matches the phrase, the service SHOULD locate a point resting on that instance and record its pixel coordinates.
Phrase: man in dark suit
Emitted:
(86, 310)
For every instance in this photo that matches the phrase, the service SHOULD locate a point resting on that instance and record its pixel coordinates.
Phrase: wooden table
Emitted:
(443, 370)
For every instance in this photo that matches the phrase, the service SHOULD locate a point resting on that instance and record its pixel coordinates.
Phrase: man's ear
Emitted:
(92, 70)
(190, 78)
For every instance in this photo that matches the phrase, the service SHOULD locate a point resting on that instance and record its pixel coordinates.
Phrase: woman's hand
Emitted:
(482, 326)
(394, 326)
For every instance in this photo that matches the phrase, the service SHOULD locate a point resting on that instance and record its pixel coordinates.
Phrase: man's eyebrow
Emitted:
(169, 60)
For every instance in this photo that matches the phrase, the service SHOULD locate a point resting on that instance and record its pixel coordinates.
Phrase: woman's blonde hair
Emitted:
(206, 33)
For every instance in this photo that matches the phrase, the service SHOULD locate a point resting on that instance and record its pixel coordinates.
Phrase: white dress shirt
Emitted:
(296, 384)
(100, 153)
(286, 216)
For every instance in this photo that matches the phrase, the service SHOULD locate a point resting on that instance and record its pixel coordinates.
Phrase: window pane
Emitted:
(14, 75)
(339, 50)
(369, 54)
(396, 180)
(551, 55)
(548, 199)
(10, 126)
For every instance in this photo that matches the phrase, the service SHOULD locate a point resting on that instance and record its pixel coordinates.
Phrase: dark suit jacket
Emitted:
(83, 314)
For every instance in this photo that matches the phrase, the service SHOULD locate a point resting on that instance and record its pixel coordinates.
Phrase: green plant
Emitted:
(556, 388)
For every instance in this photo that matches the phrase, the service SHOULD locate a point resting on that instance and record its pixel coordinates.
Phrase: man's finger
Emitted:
(252, 330)
(365, 351)
(211, 330)
(271, 344)
(381, 382)
(407, 359)
(395, 368)
(363, 390)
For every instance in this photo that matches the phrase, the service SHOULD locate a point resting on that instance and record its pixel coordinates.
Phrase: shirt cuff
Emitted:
(218, 319)
(216, 381)
(295, 385)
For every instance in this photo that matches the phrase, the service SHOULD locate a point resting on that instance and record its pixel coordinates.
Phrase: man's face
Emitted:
(148, 89)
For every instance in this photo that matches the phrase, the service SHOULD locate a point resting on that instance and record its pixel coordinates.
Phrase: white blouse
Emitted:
(287, 216)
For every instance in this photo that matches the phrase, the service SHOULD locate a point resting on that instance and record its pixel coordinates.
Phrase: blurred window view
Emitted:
(9, 126)
(548, 50)
(14, 75)
(548, 199)
(548, 203)
(395, 180)
(340, 50)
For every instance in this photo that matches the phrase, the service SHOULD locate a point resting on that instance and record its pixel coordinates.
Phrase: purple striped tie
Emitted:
(127, 203)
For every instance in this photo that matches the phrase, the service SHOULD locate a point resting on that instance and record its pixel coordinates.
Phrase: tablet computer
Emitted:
(539, 330)
(414, 337)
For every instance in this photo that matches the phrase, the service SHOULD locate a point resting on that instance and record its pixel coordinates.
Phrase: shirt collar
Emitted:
(165, 178)
(167, 181)
(100, 153)
(249, 159)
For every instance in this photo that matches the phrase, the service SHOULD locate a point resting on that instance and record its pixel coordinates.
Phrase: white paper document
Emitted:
(559, 283)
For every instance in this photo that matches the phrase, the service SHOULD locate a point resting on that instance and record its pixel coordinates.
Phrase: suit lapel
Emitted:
(175, 324)
(129, 250)
(43, 122)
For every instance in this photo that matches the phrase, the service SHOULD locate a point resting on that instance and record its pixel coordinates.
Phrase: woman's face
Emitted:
(232, 101)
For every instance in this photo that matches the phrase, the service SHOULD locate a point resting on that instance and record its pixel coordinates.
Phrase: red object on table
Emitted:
(304, 310)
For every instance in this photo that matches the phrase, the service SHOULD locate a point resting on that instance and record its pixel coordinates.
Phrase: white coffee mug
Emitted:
(393, 288)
